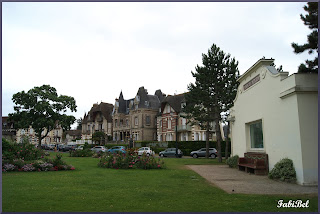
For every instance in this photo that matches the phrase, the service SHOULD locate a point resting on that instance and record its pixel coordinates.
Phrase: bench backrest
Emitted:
(262, 158)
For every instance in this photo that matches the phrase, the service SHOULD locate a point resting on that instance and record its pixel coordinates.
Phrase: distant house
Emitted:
(136, 118)
(170, 116)
(8, 130)
(99, 118)
(277, 114)
(72, 135)
(53, 137)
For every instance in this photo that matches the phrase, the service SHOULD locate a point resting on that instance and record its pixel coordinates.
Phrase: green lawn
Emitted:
(93, 189)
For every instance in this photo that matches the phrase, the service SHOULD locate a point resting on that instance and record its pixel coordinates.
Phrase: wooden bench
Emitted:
(253, 162)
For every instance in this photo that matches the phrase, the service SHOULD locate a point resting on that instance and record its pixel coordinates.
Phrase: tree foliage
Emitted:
(213, 92)
(43, 109)
(311, 20)
(79, 122)
(99, 137)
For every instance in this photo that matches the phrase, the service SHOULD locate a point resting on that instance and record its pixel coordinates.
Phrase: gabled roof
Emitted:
(174, 101)
(104, 108)
(74, 132)
(145, 101)
(266, 62)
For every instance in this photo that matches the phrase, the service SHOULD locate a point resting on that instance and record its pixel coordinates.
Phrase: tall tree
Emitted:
(213, 92)
(311, 20)
(43, 109)
(79, 126)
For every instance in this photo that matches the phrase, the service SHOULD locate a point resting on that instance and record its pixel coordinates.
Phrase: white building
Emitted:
(277, 114)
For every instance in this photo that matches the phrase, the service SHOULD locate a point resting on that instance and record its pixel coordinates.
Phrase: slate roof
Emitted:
(174, 101)
(145, 101)
(104, 108)
(74, 132)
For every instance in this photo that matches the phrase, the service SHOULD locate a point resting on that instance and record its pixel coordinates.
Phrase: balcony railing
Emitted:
(183, 128)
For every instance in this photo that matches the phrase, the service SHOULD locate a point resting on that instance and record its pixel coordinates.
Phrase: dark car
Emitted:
(170, 152)
(60, 147)
(202, 153)
(68, 148)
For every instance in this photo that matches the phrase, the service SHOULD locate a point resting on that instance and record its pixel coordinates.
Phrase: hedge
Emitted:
(185, 146)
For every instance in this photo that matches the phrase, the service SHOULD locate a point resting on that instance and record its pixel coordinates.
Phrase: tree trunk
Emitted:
(207, 140)
(227, 140)
(39, 141)
(218, 134)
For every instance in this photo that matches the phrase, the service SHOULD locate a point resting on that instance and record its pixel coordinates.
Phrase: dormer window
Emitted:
(146, 103)
(183, 105)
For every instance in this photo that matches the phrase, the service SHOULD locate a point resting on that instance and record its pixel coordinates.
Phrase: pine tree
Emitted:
(311, 20)
(213, 92)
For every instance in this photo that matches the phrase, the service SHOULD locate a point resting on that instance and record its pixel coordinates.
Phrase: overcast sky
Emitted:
(92, 51)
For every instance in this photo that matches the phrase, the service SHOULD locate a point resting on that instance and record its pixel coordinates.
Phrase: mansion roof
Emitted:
(105, 109)
(143, 100)
(174, 101)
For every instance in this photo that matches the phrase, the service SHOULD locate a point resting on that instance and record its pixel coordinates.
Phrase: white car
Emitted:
(99, 149)
(146, 150)
(79, 148)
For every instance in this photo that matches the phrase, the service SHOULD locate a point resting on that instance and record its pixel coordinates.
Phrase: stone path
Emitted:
(235, 181)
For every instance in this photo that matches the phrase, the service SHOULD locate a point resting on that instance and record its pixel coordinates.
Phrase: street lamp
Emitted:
(176, 133)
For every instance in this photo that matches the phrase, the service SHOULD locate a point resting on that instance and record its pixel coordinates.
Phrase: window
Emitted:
(148, 120)
(256, 135)
(115, 123)
(161, 123)
(127, 122)
(169, 123)
(136, 121)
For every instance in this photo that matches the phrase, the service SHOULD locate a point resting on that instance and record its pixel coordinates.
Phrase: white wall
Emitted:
(289, 123)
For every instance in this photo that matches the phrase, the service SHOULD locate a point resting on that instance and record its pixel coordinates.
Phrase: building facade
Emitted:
(136, 118)
(277, 114)
(53, 137)
(99, 118)
(72, 135)
(171, 124)
(8, 130)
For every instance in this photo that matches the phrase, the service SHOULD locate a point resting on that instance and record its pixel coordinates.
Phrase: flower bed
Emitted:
(25, 157)
(130, 160)
(45, 164)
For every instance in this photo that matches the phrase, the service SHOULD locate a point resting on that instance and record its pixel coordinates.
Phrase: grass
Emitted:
(93, 189)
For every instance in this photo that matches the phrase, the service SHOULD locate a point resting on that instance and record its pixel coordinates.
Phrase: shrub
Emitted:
(45, 166)
(81, 153)
(28, 167)
(130, 160)
(283, 170)
(8, 167)
(26, 151)
(233, 161)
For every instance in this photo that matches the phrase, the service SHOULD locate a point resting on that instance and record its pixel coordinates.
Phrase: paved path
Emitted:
(235, 181)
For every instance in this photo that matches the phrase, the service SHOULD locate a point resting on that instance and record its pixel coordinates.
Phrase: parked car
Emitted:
(170, 152)
(116, 149)
(202, 153)
(79, 148)
(146, 150)
(60, 147)
(45, 146)
(68, 148)
(51, 146)
(99, 149)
